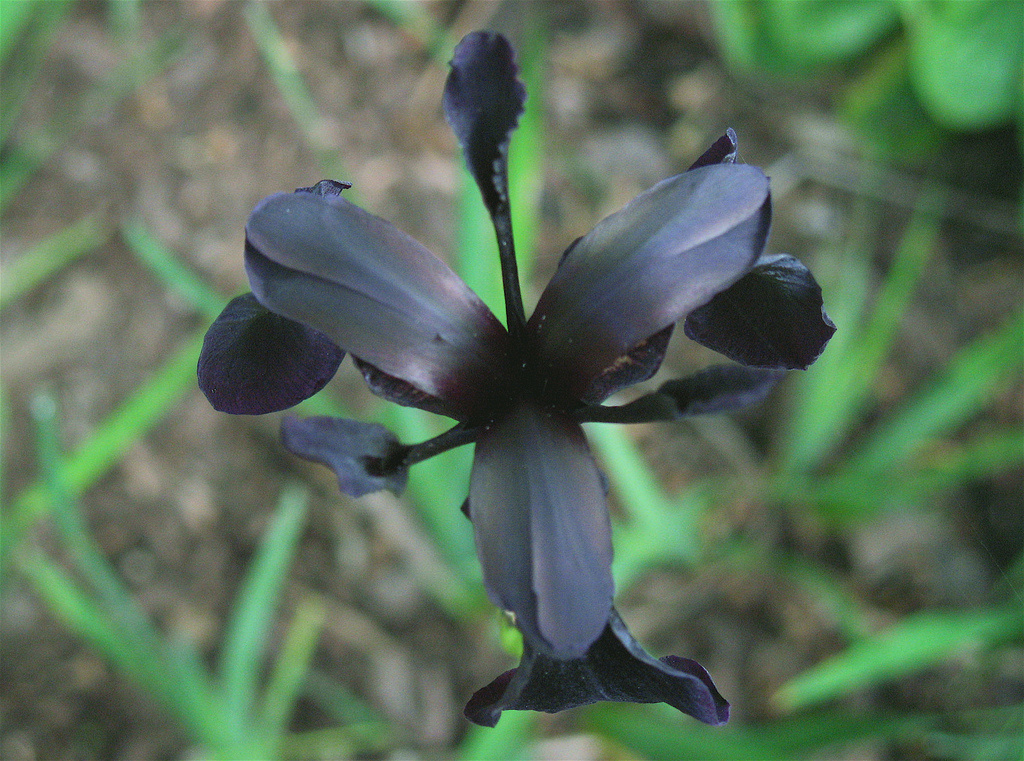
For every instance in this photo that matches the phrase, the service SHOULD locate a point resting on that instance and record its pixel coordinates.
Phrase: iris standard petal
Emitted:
(772, 317)
(615, 668)
(542, 531)
(254, 361)
(647, 266)
(483, 99)
(365, 457)
(378, 294)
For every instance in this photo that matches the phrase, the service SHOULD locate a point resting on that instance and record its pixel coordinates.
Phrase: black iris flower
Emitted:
(328, 278)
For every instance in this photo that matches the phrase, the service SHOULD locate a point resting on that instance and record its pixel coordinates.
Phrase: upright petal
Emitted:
(483, 99)
(645, 267)
(378, 294)
(542, 530)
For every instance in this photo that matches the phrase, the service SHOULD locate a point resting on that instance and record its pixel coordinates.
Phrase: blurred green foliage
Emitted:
(918, 66)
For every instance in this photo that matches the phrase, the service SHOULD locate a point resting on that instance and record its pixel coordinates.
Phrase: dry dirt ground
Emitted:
(634, 92)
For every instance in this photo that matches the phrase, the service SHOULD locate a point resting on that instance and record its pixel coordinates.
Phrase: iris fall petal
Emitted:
(536, 500)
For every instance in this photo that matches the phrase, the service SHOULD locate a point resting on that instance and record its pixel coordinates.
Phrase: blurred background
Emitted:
(845, 559)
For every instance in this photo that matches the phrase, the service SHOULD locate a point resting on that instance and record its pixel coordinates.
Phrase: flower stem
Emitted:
(514, 313)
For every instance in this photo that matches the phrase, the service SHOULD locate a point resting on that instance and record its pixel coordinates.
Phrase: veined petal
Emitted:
(542, 529)
(614, 668)
(378, 294)
(254, 361)
(647, 266)
(771, 317)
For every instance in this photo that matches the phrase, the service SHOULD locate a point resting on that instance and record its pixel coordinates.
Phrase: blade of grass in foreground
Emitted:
(657, 732)
(49, 256)
(110, 619)
(290, 670)
(168, 269)
(293, 88)
(248, 629)
(917, 641)
(146, 407)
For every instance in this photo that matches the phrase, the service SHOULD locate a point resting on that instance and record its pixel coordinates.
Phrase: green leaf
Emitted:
(51, 255)
(146, 407)
(915, 642)
(505, 742)
(950, 399)
(289, 672)
(248, 629)
(966, 58)
(658, 732)
(818, 32)
(168, 269)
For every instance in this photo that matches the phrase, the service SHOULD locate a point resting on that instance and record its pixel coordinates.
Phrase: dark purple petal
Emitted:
(378, 294)
(642, 361)
(365, 457)
(540, 519)
(720, 388)
(254, 361)
(615, 668)
(647, 266)
(483, 100)
(771, 317)
(722, 151)
(397, 390)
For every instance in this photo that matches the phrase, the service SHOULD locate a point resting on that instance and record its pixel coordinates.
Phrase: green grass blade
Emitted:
(657, 527)
(290, 84)
(951, 399)
(661, 733)
(289, 672)
(168, 269)
(505, 742)
(25, 159)
(43, 21)
(145, 666)
(146, 407)
(915, 642)
(49, 256)
(248, 630)
(74, 531)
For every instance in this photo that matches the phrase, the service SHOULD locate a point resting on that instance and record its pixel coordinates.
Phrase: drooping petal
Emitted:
(254, 361)
(615, 668)
(378, 294)
(647, 266)
(542, 531)
(722, 151)
(483, 100)
(771, 317)
(719, 388)
(365, 457)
